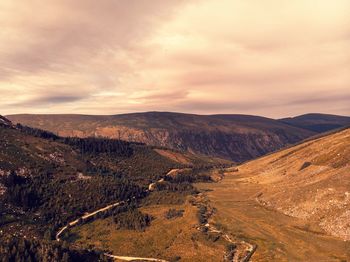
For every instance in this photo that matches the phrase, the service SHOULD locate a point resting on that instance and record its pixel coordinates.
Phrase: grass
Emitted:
(279, 237)
(165, 238)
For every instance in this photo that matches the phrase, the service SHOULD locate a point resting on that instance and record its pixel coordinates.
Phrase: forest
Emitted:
(24, 250)
(55, 193)
(59, 201)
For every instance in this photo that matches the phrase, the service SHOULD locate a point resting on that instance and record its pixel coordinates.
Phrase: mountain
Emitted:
(293, 204)
(318, 122)
(235, 137)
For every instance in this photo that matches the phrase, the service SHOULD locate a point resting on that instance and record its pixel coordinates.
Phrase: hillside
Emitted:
(310, 181)
(318, 122)
(48, 181)
(294, 204)
(235, 137)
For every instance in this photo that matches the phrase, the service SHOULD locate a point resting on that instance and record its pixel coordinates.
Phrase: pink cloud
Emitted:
(273, 57)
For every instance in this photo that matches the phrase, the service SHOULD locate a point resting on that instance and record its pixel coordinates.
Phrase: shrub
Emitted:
(173, 213)
(305, 165)
(202, 216)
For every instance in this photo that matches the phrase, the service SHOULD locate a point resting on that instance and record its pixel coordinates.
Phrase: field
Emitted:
(279, 237)
(169, 239)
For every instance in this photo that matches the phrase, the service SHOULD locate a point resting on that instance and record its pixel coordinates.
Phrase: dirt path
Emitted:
(135, 258)
(278, 237)
(88, 215)
(84, 217)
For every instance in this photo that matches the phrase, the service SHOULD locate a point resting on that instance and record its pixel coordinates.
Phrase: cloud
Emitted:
(47, 100)
(65, 33)
(273, 57)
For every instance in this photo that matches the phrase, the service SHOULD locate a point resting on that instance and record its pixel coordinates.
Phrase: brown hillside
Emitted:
(294, 204)
(309, 181)
(235, 137)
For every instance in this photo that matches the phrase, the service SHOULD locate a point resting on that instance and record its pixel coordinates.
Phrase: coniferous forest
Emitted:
(51, 180)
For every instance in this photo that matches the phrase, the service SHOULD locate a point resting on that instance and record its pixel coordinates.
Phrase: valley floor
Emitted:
(278, 237)
(164, 239)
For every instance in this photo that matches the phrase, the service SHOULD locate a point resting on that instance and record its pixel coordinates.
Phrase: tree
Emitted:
(65, 257)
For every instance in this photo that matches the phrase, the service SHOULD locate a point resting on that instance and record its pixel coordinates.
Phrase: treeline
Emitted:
(22, 250)
(90, 145)
(37, 132)
(188, 177)
(178, 187)
(132, 219)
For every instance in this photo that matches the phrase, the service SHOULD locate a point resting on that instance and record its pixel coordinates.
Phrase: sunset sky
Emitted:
(265, 57)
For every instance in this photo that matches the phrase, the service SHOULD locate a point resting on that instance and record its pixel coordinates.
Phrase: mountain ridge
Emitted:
(317, 122)
(236, 137)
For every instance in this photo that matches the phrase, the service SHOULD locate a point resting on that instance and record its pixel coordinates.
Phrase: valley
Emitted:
(108, 199)
(277, 207)
(292, 211)
(174, 131)
(50, 184)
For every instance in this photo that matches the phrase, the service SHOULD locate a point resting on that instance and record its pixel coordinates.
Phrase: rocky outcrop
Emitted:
(4, 121)
(238, 147)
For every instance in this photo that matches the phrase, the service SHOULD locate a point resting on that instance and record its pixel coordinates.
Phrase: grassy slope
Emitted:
(20, 151)
(317, 190)
(289, 211)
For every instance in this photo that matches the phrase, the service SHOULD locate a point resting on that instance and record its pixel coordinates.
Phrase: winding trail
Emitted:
(135, 258)
(86, 216)
(106, 208)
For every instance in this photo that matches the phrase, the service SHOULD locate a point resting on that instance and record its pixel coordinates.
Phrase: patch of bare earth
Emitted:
(177, 157)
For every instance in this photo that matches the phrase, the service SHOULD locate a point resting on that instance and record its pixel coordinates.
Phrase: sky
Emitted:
(274, 58)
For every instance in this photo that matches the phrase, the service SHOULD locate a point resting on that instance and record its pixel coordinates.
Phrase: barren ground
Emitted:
(279, 237)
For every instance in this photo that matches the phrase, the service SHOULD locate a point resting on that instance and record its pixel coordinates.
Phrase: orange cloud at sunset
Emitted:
(273, 58)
